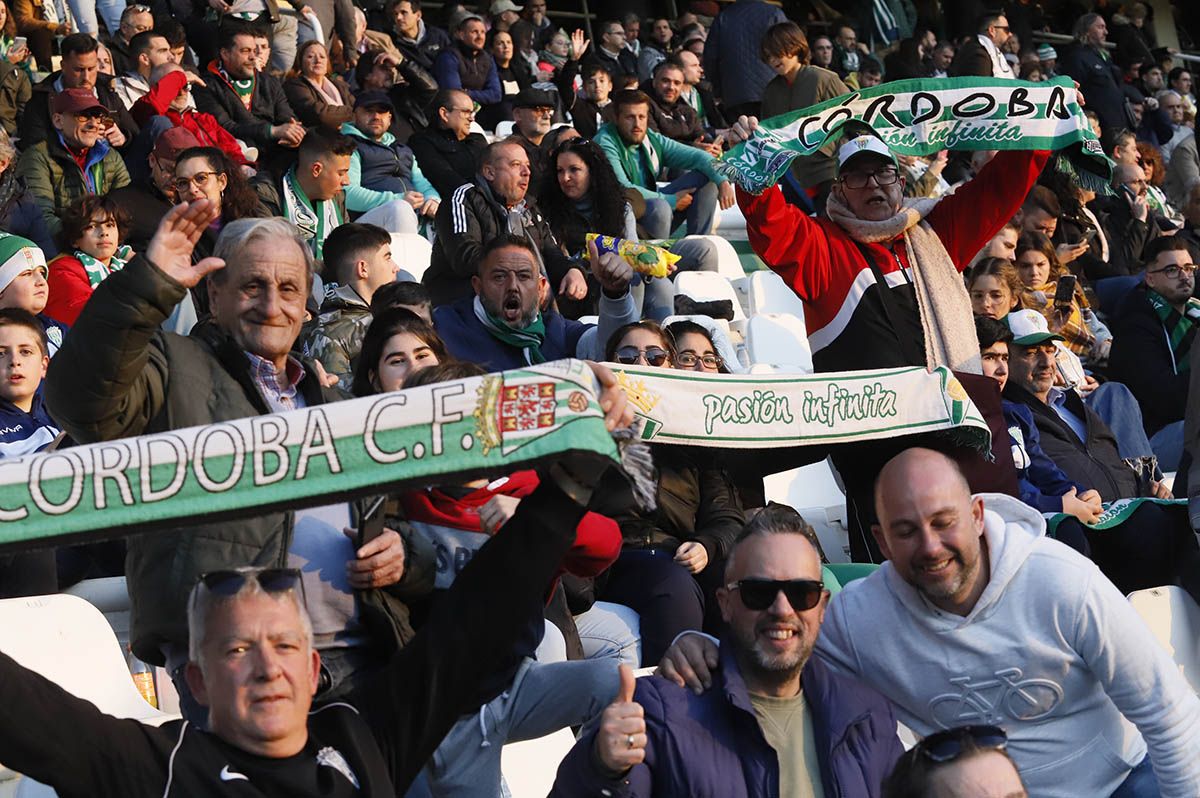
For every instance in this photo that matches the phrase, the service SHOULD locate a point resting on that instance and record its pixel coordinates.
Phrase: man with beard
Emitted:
(776, 721)
(978, 617)
(503, 326)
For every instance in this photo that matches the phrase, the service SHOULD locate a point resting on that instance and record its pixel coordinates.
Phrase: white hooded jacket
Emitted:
(1052, 652)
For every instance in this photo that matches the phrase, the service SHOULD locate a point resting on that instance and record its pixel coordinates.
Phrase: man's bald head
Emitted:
(916, 463)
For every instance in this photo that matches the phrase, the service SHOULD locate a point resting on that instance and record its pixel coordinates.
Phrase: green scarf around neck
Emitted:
(528, 339)
(1181, 330)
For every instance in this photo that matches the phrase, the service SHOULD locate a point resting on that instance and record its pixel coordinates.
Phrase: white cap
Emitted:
(1029, 328)
(863, 144)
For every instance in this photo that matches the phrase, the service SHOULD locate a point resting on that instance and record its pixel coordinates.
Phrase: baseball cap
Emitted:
(75, 101)
(460, 18)
(534, 98)
(173, 141)
(376, 97)
(864, 143)
(500, 6)
(1029, 328)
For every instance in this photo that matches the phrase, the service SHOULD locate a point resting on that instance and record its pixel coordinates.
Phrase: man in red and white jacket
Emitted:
(170, 96)
(851, 324)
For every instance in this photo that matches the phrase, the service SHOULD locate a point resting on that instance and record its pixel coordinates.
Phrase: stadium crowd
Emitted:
(199, 203)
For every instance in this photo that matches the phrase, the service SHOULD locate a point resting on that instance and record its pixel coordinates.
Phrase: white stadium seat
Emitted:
(529, 767)
(1174, 618)
(779, 339)
(814, 492)
(412, 253)
(768, 293)
(504, 129)
(729, 265)
(709, 287)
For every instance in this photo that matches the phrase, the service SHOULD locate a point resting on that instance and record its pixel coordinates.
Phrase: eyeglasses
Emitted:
(690, 359)
(139, 9)
(540, 111)
(652, 356)
(946, 746)
(199, 180)
(884, 177)
(1175, 270)
(467, 111)
(759, 594)
(272, 580)
(1001, 27)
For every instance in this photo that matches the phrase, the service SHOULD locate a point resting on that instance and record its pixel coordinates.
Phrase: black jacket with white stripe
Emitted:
(465, 223)
(371, 752)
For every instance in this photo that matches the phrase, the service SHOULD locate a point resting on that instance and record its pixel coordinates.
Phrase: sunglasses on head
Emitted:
(946, 746)
(631, 355)
(758, 594)
(271, 580)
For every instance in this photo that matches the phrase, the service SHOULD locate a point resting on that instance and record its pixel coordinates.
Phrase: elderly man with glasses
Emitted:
(857, 270)
(775, 719)
(448, 151)
(75, 159)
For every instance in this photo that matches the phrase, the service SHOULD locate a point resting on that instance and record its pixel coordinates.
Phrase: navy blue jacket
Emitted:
(467, 339)
(24, 433)
(711, 746)
(1042, 482)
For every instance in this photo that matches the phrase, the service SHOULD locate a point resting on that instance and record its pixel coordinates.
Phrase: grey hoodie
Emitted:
(1051, 652)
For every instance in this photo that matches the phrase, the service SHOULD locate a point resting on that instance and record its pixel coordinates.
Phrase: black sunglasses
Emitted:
(946, 746)
(630, 355)
(272, 580)
(758, 594)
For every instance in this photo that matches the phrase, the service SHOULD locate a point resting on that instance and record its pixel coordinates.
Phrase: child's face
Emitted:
(995, 362)
(22, 363)
(27, 292)
(99, 238)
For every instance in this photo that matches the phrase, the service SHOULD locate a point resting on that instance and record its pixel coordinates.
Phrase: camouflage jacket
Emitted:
(336, 336)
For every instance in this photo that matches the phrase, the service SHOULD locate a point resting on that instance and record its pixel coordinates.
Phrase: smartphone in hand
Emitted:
(1064, 292)
(370, 526)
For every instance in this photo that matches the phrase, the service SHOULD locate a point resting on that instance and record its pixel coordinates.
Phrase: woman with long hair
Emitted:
(398, 343)
(316, 95)
(1040, 270)
(580, 195)
(1151, 161)
(672, 559)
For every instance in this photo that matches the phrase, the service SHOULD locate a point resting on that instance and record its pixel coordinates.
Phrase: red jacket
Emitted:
(68, 288)
(847, 326)
(453, 525)
(203, 126)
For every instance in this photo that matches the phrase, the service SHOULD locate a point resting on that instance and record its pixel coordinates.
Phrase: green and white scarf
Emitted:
(528, 339)
(97, 271)
(243, 88)
(1115, 513)
(451, 432)
(924, 117)
(315, 222)
(1180, 327)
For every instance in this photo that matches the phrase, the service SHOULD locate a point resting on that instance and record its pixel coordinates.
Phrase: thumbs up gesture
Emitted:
(621, 741)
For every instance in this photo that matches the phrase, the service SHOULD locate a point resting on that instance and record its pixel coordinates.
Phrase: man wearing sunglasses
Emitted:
(252, 663)
(982, 55)
(75, 159)
(1154, 330)
(875, 266)
(979, 617)
(775, 723)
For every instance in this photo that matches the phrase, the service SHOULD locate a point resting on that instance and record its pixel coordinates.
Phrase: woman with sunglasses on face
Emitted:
(963, 762)
(580, 195)
(672, 558)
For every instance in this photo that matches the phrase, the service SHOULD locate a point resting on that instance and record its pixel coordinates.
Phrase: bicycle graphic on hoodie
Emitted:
(993, 701)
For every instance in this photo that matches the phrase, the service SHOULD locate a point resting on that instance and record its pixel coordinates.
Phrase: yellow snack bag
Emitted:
(645, 258)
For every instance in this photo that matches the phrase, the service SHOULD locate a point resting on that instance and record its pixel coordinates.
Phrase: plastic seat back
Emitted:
(412, 252)
(779, 339)
(1174, 618)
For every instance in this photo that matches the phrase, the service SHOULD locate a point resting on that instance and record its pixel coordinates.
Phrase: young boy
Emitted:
(23, 285)
(25, 427)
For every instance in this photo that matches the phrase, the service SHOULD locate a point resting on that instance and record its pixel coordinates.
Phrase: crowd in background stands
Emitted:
(198, 202)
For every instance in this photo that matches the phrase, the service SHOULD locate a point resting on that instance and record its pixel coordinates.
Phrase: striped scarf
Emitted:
(1180, 327)
(528, 339)
(97, 270)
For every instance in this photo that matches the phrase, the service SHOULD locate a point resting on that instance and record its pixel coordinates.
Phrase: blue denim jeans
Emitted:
(1140, 783)
(660, 219)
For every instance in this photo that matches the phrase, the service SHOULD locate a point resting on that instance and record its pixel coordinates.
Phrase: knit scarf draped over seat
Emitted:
(942, 299)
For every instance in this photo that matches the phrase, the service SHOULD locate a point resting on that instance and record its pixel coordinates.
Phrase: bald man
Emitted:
(979, 618)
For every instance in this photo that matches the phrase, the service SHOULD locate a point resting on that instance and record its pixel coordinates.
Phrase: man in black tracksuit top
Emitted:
(375, 749)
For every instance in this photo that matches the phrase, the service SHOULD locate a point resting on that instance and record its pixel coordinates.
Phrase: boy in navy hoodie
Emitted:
(25, 427)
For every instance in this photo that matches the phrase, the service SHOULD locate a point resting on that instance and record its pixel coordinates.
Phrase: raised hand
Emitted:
(171, 248)
(579, 44)
(621, 740)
